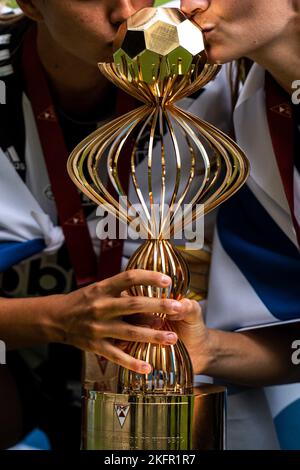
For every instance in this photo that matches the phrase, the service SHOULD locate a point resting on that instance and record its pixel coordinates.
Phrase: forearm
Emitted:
(256, 358)
(30, 321)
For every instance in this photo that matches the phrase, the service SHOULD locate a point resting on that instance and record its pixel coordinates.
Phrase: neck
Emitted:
(79, 88)
(282, 57)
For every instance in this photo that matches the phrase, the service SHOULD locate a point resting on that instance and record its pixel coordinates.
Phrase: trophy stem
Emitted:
(172, 371)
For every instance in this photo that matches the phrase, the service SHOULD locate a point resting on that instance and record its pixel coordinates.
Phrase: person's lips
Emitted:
(208, 28)
(208, 32)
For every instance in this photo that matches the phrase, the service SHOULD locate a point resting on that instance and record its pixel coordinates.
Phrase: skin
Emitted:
(265, 32)
(73, 36)
(70, 42)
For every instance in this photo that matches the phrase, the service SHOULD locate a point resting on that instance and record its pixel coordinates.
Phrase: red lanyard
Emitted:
(70, 212)
(281, 125)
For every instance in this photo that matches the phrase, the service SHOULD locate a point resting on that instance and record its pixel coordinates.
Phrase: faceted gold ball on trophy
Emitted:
(156, 43)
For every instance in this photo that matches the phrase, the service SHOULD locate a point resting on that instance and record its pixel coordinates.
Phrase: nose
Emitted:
(191, 6)
(120, 10)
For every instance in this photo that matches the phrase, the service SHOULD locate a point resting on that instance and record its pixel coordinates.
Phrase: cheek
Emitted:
(240, 17)
(85, 34)
(244, 27)
(217, 54)
(82, 28)
(228, 45)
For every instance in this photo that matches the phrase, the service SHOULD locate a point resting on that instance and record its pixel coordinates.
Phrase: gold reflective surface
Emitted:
(160, 59)
(157, 43)
(155, 422)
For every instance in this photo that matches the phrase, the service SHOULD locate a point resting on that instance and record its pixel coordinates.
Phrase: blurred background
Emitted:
(9, 3)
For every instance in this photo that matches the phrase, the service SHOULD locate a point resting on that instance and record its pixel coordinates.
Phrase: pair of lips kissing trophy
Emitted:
(160, 59)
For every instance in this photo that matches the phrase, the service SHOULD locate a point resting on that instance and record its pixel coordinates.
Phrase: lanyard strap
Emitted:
(70, 211)
(282, 129)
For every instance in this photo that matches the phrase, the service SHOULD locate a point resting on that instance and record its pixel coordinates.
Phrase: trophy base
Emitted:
(114, 421)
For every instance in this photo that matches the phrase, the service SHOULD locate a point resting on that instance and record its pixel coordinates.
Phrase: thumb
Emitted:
(193, 311)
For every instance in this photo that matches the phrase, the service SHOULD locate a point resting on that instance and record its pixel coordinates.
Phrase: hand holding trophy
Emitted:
(160, 59)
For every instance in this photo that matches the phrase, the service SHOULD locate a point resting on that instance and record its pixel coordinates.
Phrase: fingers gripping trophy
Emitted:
(190, 168)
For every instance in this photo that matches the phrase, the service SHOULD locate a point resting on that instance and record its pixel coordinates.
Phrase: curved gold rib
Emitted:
(216, 170)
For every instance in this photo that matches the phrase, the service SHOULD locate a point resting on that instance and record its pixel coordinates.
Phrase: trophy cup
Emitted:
(160, 59)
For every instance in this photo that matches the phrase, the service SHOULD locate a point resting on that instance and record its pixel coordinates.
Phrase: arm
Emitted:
(30, 321)
(255, 358)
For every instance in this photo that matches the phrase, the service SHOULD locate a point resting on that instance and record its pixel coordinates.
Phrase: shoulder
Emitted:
(12, 29)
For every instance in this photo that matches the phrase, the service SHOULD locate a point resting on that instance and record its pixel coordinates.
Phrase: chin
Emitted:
(95, 59)
(106, 55)
(220, 55)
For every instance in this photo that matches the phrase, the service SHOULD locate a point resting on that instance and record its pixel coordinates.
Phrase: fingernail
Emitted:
(171, 337)
(165, 279)
(176, 306)
(146, 368)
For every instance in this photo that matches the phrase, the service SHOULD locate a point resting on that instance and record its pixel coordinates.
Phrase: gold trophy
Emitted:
(160, 59)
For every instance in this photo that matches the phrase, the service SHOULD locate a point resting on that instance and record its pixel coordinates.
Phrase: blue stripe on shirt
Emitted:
(12, 253)
(263, 253)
